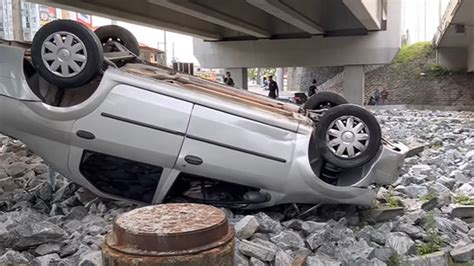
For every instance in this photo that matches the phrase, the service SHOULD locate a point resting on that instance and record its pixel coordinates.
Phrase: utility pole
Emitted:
(17, 20)
(166, 50)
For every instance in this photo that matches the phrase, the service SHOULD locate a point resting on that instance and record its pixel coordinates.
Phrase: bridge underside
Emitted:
(269, 33)
(455, 41)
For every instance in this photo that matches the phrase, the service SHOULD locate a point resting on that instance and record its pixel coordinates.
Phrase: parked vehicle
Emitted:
(297, 98)
(131, 131)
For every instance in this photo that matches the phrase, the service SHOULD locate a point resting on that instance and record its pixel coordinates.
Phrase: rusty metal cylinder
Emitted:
(170, 235)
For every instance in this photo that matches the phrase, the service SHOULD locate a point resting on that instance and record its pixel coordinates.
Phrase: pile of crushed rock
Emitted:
(44, 222)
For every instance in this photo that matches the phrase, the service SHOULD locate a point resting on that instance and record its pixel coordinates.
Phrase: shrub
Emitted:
(409, 53)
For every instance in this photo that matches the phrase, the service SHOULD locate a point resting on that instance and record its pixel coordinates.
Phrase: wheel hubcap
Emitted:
(64, 54)
(347, 137)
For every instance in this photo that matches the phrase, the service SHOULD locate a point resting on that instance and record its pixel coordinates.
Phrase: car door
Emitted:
(123, 147)
(236, 149)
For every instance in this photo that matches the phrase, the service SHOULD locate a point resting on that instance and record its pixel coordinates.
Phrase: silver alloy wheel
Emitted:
(64, 54)
(347, 137)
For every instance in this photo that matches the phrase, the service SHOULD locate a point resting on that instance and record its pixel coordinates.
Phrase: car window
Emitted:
(121, 177)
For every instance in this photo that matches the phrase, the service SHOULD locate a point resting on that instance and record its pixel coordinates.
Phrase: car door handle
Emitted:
(191, 159)
(85, 134)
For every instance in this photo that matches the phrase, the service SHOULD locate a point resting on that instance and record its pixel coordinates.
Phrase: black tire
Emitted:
(92, 53)
(323, 100)
(372, 128)
(119, 34)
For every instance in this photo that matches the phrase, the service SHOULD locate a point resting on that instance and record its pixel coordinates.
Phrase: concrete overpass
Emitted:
(455, 38)
(237, 34)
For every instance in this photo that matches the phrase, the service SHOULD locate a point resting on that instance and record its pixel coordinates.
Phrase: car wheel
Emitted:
(323, 100)
(66, 53)
(348, 136)
(118, 34)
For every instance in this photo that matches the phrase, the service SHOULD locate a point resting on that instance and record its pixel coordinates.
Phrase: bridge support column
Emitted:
(279, 78)
(354, 79)
(470, 50)
(240, 77)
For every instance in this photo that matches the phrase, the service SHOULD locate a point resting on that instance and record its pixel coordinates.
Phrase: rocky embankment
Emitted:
(60, 223)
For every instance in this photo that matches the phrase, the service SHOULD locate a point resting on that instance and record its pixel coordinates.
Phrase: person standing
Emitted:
(273, 88)
(228, 79)
(376, 96)
(265, 83)
(384, 96)
(313, 88)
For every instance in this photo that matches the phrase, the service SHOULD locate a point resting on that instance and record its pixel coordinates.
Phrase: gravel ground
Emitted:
(64, 224)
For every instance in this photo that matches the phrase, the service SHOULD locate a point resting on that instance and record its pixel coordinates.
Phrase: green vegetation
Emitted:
(434, 242)
(257, 73)
(464, 200)
(394, 260)
(393, 201)
(436, 70)
(429, 196)
(409, 53)
(437, 146)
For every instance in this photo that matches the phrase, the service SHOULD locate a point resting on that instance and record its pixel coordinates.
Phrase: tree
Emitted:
(258, 73)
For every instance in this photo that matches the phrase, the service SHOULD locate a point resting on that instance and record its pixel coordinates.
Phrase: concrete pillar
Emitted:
(354, 78)
(470, 49)
(240, 77)
(279, 78)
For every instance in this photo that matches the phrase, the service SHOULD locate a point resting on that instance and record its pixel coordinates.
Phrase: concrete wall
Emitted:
(300, 78)
(453, 58)
(378, 47)
(470, 50)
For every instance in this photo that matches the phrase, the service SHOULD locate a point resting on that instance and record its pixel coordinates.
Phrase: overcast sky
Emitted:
(419, 17)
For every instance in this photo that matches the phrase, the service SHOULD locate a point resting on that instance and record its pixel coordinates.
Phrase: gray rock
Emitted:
(91, 259)
(84, 195)
(288, 240)
(246, 227)
(282, 259)
(33, 234)
(72, 226)
(48, 260)
(331, 234)
(409, 229)
(47, 249)
(413, 191)
(12, 257)
(447, 181)
(70, 248)
(371, 234)
(267, 224)
(460, 225)
(7, 184)
(381, 214)
(294, 224)
(77, 213)
(463, 254)
(16, 169)
(240, 260)
(265, 243)
(401, 243)
(256, 250)
(318, 260)
(350, 250)
(310, 227)
(66, 191)
(383, 253)
(433, 259)
(256, 262)
(327, 249)
(430, 204)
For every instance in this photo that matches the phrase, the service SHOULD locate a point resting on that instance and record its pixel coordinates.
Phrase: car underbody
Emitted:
(149, 134)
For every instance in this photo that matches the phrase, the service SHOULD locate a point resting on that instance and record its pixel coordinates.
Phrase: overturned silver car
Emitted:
(129, 130)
